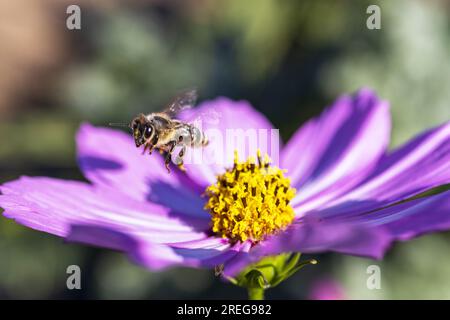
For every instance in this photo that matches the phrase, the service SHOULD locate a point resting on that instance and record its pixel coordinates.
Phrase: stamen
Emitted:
(250, 202)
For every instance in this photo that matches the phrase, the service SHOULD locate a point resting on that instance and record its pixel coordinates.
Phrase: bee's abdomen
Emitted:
(198, 138)
(205, 140)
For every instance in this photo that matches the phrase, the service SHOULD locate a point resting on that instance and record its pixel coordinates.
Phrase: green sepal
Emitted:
(268, 273)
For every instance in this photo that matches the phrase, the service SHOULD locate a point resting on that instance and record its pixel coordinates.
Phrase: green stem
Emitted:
(255, 293)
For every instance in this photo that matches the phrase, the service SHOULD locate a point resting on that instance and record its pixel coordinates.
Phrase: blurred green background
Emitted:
(290, 59)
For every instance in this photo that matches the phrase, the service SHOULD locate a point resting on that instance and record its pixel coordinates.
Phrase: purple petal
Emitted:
(419, 165)
(363, 234)
(149, 233)
(205, 253)
(403, 221)
(398, 222)
(53, 205)
(225, 122)
(425, 215)
(331, 154)
(311, 236)
(109, 158)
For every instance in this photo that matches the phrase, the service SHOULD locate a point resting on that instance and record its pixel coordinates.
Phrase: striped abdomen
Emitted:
(198, 137)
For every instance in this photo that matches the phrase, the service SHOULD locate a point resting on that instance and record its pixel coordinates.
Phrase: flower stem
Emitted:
(255, 293)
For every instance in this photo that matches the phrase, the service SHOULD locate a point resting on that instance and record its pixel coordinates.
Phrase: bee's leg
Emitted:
(168, 158)
(153, 143)
(150, 148)
(145, 148)
(180, 158)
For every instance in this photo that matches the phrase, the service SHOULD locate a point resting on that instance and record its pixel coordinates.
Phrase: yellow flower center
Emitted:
(250, 201)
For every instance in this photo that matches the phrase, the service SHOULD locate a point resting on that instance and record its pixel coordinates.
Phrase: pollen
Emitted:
(250, 200)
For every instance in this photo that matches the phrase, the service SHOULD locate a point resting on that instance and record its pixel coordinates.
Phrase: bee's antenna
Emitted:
(122, 124)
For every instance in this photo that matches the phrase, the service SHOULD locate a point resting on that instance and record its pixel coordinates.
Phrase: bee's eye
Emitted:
(147, 132)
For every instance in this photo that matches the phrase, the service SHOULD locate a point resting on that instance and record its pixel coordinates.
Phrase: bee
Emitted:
(161, 131)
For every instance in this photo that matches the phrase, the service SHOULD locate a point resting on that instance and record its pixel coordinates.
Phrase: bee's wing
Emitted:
(209, 117)
(182, 101)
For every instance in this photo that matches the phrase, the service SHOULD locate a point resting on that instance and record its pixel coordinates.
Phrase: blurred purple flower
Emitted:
(338, 162)
(326, 289)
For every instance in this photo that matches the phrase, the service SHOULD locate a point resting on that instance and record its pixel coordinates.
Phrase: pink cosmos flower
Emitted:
(327, 289)
(348, 199)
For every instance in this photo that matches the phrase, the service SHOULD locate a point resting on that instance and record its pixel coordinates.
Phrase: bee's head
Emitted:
(143, 130)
